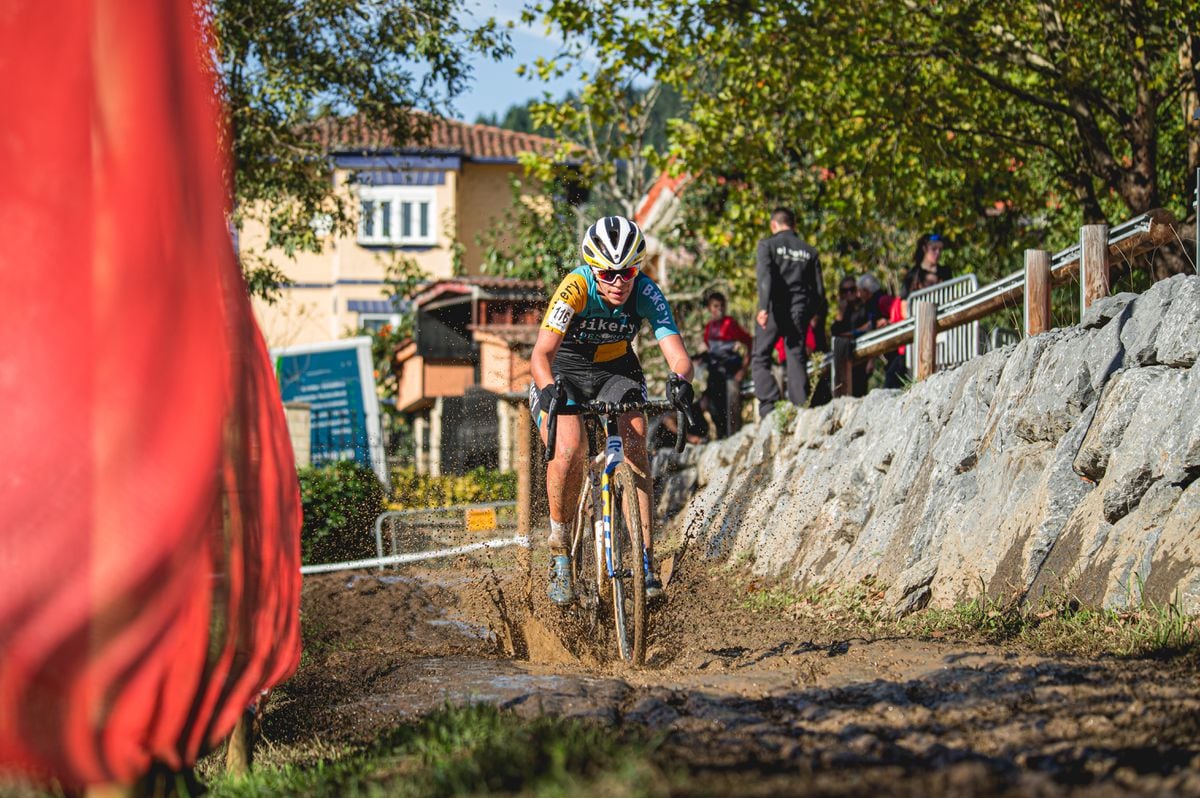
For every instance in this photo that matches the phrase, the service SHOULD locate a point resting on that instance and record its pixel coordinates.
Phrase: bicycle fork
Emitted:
(614, 455)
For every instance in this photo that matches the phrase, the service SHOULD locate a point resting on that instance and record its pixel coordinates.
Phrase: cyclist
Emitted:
(585, 338)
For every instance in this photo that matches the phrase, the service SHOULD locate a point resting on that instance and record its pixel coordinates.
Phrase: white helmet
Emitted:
(613, 242)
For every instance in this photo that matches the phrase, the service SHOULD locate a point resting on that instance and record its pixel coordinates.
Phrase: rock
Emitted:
(1067, 460)
(1165, 324)
(1102, 311)
(1121, 397)
(911, 590)
(1161, 439)
(1179, 335)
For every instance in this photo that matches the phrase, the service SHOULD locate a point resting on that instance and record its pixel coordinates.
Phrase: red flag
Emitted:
(149, 528)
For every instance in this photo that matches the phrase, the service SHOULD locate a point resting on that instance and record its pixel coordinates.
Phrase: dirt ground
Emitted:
(755, 701)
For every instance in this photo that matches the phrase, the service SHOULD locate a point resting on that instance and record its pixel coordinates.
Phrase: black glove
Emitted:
(546, 397)
(682, 396)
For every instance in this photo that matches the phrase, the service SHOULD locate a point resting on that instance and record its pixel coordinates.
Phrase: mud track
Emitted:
(757, 703)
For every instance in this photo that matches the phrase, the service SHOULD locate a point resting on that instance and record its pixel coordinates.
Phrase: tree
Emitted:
(282, 65)
(606, 130)
(538, 236)
(1000, 123)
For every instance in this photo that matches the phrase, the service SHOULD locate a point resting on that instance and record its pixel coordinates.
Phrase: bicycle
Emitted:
(608, 484)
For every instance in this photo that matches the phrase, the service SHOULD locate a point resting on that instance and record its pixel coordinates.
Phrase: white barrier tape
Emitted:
(417, 556)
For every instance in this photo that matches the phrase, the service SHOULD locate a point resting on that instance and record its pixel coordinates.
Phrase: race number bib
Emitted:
(560, 317)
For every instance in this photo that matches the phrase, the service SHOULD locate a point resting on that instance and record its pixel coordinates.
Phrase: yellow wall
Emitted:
(483, 196)
(316, 308)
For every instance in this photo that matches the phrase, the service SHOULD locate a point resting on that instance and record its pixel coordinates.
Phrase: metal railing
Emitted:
(1063, 265)
(401, 524)
(416, 556)
(961, 343)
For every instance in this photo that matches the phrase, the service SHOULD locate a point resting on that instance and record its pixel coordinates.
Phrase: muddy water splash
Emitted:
(760, 704)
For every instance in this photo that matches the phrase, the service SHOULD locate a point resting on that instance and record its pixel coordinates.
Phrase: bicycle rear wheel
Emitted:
(629, 606)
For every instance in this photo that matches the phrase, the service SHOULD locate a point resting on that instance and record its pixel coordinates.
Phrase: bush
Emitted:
(413, 490)
(341, 502)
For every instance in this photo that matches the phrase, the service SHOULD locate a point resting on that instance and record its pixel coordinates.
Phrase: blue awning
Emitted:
(382, 306)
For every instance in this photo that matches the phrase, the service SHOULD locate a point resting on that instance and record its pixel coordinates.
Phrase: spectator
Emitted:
(726, 366)
(875, 301)
(926, 259)
(850, 312)
(851, 321)
(790, 293)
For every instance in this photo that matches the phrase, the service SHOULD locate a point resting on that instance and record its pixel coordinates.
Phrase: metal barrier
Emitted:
(471, 518)
(953, 346)
(417, 556)
(431, 519)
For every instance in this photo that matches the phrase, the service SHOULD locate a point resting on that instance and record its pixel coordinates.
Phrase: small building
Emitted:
(464, 369)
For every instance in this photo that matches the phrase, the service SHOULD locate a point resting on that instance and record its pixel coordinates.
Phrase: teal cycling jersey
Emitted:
(594, 329)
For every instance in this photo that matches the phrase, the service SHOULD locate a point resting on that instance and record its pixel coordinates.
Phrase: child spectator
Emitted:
(726, 366)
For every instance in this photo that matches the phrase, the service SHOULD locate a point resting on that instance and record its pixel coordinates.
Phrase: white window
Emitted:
(396, 215)
(373, 321)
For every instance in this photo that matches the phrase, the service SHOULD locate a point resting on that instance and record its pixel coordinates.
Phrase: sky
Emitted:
(496, 86)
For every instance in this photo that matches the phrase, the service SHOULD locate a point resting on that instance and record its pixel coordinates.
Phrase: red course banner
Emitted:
(150, 513)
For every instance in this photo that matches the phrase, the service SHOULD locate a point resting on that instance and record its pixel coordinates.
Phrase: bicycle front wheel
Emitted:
(587, 565)
(629, 576)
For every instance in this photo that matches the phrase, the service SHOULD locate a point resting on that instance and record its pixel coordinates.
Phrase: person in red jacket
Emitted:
(726, 365)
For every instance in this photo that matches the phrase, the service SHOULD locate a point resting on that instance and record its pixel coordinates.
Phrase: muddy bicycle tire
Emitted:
(629, 616)
(587, 561)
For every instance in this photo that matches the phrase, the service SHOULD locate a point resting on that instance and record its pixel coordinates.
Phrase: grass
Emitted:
(469, 751)
(1056, 623)
(784, 416)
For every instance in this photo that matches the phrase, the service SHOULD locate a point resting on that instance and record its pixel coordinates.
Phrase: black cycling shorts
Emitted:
(617, 380)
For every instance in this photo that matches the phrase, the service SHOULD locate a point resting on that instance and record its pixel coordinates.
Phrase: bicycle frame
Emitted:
(606, 475)
(614, 455)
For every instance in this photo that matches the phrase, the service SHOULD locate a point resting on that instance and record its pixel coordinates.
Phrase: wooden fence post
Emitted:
(525, 466)
(1037, 291)
(925, 338)
(843, 365)
(239, 747)
(531, 473)
(1093, 264)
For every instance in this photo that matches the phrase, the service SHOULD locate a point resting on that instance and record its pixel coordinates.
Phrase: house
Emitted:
(465, 369)
(658, 214)
(419, 202)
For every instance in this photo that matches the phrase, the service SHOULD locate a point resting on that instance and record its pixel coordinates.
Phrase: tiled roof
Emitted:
(510, 286)
(356, 134)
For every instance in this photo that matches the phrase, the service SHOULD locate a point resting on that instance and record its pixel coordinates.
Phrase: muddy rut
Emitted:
(758, 703)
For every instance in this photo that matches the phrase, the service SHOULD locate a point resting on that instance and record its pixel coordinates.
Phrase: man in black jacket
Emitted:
(790, 292)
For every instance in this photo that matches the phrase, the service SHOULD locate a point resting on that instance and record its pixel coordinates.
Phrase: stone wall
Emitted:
(1066, 461)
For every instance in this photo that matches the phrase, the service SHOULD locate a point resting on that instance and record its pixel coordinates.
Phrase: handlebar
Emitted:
(606, 409)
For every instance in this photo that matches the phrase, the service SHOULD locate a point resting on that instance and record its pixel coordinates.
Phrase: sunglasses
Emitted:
(934, 237)
(846, 289)
(612, 276)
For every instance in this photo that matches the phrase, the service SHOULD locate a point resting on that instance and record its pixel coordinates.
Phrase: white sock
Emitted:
(558, 537)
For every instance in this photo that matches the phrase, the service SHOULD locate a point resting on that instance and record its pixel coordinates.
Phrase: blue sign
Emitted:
(336, 380)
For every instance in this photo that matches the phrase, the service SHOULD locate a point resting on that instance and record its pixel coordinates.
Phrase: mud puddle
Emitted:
(761, 705)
